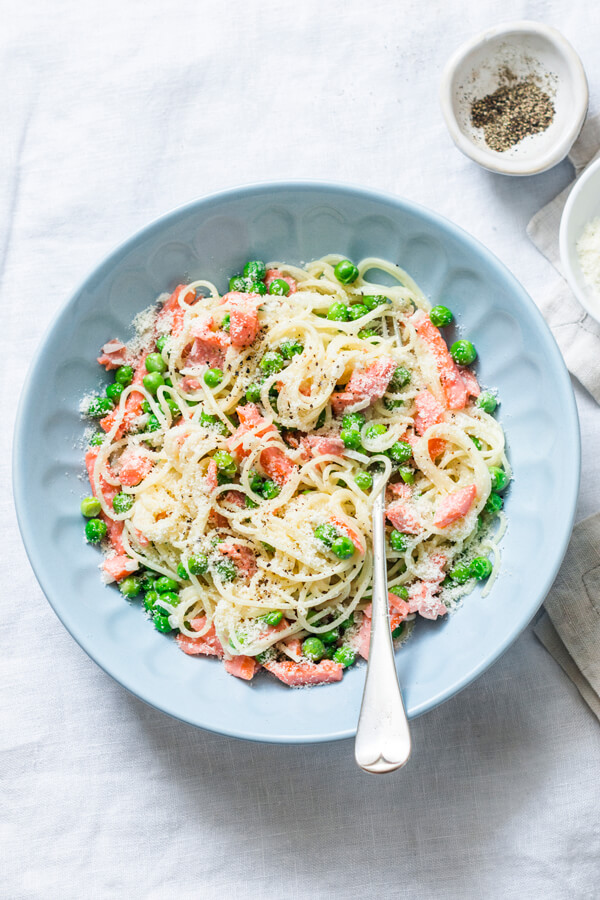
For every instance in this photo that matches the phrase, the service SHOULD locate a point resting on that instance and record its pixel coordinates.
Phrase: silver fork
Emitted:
(382, 736)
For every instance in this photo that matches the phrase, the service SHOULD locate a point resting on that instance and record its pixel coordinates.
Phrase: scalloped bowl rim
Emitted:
(26, 517)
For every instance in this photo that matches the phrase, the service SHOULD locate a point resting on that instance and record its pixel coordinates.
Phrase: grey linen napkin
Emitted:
(570, 626)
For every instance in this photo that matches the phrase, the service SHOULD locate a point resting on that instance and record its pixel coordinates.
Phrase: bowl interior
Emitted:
(525, 54)
(583, 206)
(212, 238)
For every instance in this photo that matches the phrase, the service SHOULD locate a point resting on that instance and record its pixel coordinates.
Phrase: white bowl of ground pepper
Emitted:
(515, 97)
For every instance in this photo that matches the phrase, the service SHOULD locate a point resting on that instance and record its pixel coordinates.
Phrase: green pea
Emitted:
(372, 301)
(326, 533)
(407, 474)
(161, 342)
(343, 547)
(313, 648)
(198, 564)
(321, 420)
(175, 411)
(146, 408)
(150, 600)
(122, 502)
(255, 269)
(357, 311)
(253, 393)
(100, 406)
(398, 630)
(168, 382)
(270, 490)
(164, 583)
(401, 377)
(393, 404)
(148, 581)
(367, 333)
(499, 478)
(279, 287)
(463, 353)
(170, 597)
(129, 587)
(250, 504)
(95, 530)
(225, 461)
(256, 482)
(153, 423)
(345, 655)
(182, 571)
(90, 506)
(398, 541)
(487, 402)
(237, 283)
(213, 378)
(353, 420)
(114, 391)
(272, 618)
(375, 431)
(288, 349)
(213, 422)
(226, 569)
(124, 375)
(440, 316)
(268, 547)
(399, 452)
(226, 322)
(347, 623)
(338, 312)
(476, 441)
(399, 590)
(330, 637)
(351, 438)
(272, 362)
(155, 363)
(364, 480)
(153, 381)
(480, 568)
(346, 272)
(460, 574)
(494, 503)
(161, 623)
(257, 287)
(97, 439)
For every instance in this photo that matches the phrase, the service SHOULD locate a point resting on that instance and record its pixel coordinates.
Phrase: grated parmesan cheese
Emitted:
(588, 253)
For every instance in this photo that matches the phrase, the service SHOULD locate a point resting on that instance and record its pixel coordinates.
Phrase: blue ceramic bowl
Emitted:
(212, 238)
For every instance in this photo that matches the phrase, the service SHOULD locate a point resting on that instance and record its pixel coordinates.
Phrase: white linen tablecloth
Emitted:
(112, 113)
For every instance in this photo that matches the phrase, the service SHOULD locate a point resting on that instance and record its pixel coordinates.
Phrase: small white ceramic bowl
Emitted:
(526, 48)
(582, 206)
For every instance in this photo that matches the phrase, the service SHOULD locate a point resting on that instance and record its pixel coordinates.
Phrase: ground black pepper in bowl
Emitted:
(514, 111)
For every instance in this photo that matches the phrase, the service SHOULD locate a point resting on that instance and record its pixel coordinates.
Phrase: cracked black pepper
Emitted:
(511, 113)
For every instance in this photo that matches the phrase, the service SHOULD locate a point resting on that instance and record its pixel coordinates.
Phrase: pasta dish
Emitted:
(244, 438)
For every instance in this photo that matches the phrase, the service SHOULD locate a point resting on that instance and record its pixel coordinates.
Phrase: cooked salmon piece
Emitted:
(189, 384)
(403, 518)
(454, 506)
(114, 533)
(206, 645)
(297, 674)
(114, 355)
(109, 491)
(329, 445)
(276, 465)
(470, 382)
(242, 667)
(346, 530)
(448, 371)
(422, 599)
(134, 468)
(397, 615)
(119, 567)
(273, 274)
(204, 353)
(243, 310)
(429, 411)
(211, 476)
(133, 404)
(235, 498)
(250, 420)
(369, 384)
(242, 557)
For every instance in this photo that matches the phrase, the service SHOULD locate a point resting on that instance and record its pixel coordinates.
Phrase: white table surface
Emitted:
(111, 113)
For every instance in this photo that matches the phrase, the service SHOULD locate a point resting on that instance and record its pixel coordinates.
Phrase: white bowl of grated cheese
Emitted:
(579, 240)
